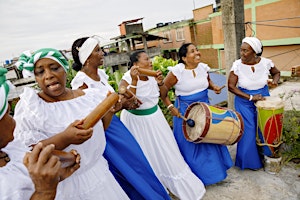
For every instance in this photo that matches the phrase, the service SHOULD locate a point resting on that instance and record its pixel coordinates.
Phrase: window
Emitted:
(167, 34)
(179, 34)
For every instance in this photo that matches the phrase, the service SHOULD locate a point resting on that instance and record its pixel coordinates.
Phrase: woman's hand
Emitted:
(257, 97)
(159, 78)
(75, 134)
(43, 168)
(68, 171)
(130, 103)
(174, 111)
(134, 73)
(217, 89)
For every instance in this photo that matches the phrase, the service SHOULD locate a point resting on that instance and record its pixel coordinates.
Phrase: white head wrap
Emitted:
(254, 43)
(86, 49)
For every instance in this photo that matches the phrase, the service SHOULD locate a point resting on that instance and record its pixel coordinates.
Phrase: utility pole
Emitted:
(234, 32)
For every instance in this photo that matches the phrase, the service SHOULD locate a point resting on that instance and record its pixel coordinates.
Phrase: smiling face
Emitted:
(51, 77)
(192, 57)
(247, 54)
(144, 61)
(7, 126)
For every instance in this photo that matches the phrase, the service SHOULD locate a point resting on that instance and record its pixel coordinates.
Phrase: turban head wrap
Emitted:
(22, 63)
(254, 43)
(86, 49)
(51, 54)
(4, 89)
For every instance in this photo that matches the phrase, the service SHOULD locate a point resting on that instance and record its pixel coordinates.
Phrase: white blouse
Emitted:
(81, 78)
(187, 84)
(250, 80)
(147, 91)
(37, 120)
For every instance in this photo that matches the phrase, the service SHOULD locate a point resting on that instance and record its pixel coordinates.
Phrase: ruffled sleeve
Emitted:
(26, 119)
(268, 63)
(177, 70)
(78, 80)
(126, 77)
(235, 68)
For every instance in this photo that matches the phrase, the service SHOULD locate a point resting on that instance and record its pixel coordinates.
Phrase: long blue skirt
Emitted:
(129, 165)
(247, 155)
(208, 161)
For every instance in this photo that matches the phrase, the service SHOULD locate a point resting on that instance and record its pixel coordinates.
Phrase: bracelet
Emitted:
(250, 99)
(170, 106)
(161, 84)
(131, 86)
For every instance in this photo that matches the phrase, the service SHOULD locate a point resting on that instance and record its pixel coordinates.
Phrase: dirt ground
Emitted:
(257, 185)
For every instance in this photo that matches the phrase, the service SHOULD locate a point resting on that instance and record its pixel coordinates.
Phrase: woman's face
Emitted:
(247, 54)
(97, 56)
(7, 126)
(50, 76)
(144, 61)
(192, 56)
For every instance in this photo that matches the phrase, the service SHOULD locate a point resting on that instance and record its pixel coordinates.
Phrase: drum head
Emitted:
(197, 112)
(270, 103)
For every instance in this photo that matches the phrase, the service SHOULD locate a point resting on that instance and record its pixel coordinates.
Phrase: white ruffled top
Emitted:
(187, 83)
(147, 91)
(37, 120)
(250, 80)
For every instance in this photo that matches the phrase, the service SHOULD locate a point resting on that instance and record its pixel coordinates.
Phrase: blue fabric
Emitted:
(208, 161)
(129, 165)
(247, 155)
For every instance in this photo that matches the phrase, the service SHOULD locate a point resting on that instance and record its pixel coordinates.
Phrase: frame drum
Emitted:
(213, 124)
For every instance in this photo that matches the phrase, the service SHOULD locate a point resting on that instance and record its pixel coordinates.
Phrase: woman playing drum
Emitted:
(191, 80)
(250, 73)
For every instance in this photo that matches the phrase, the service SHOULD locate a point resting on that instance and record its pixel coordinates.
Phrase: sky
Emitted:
(34, 24)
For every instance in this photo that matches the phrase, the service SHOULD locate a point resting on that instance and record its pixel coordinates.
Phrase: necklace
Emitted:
(4, 156)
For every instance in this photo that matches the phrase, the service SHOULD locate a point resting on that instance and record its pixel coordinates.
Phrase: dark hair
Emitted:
(183, 51)
(262, 48)
(134, 57)
(77, 65)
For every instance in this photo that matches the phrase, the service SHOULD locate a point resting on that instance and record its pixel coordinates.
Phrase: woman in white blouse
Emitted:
(248, 80)
(191, 81)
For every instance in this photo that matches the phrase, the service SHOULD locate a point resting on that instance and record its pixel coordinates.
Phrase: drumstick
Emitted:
(128, 94)
(190, 122)
(91, 119)
(147, 72)
(222, 87)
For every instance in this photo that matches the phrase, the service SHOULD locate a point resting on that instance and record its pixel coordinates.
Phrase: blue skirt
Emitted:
(208, 161)
(247, 155)
(129, 165)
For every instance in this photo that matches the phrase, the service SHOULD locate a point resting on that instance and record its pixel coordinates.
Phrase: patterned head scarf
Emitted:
(51, 54)
(254, 43)
(22, 63)
(4, 89)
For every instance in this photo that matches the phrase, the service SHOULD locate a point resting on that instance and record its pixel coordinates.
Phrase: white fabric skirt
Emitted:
(156, 139)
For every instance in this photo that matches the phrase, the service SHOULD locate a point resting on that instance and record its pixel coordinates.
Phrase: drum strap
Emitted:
(148, 111)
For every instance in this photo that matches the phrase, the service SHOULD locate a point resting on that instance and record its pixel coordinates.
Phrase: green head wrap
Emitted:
(4, 89)
(51, 54)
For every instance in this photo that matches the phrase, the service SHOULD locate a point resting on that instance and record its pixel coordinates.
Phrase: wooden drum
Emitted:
(213, 124)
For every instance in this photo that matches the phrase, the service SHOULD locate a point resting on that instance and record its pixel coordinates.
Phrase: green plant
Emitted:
(291, 130)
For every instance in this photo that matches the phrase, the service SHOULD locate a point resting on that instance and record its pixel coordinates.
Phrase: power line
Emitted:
(283, 53)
